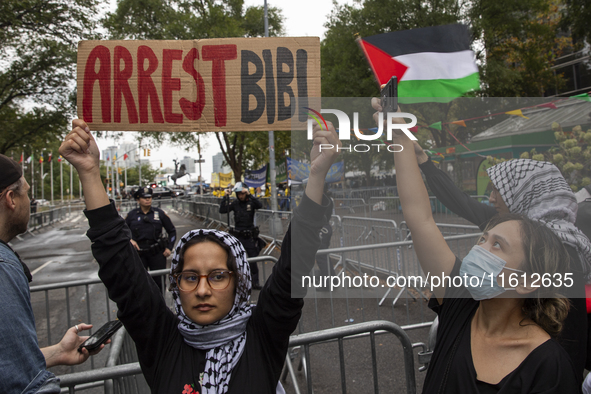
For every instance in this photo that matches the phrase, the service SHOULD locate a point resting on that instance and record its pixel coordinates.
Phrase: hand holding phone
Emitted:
(389, 95)
(101, 336)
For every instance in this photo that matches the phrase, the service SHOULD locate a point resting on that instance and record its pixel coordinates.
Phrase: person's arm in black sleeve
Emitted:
(279, 305)
(281, 308)
(255, 202)
(128, 282)
(170, 230)
(141, 308)
(225, 205)
(453, 198)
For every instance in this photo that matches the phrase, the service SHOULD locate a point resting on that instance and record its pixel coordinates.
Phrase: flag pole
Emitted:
(61, 181)
(42, 188)
(33, 175)
(51, 173)
(140, 165)
(71, 183)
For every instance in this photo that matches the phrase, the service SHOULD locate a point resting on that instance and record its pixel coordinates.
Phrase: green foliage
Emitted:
(345, 72)
(38, 40)
(148, 175)
(576, 16)
(521, 41)
(189, 20)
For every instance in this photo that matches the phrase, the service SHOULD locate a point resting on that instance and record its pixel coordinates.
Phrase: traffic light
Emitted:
(146, 152)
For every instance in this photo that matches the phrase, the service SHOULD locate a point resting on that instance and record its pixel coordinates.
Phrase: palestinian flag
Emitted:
(428, 62)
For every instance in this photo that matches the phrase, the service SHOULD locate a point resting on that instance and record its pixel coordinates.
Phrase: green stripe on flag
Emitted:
(436, 90)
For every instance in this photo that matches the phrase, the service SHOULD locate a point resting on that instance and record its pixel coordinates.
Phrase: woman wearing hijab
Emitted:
(537, 190)
(216, 342)
(495, 335)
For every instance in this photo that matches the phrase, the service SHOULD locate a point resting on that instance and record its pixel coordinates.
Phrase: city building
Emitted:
(189, 163)
(217, 162)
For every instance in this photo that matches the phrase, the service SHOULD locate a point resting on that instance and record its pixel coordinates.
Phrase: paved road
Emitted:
(62, 253)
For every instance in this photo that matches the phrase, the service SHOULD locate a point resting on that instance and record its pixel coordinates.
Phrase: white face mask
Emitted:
(485, 266)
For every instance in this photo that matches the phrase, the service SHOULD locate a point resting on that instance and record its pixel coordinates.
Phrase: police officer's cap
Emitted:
(143, 192)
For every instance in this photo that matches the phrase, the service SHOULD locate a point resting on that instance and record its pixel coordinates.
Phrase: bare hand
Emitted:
(325, 150)
(80, 148)
(166, 252)
(134, 244)
(66, 351)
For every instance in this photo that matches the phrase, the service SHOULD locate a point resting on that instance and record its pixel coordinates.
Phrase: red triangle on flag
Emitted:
(383, 65)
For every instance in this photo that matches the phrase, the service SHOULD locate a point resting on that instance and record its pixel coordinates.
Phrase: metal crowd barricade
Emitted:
(386, 262)
(92, 296)
(339, 335)
(127, 378)
(350, 206)
(48, 217)
(364, 231)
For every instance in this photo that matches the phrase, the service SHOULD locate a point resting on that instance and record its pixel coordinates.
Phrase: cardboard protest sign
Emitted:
(225, 84)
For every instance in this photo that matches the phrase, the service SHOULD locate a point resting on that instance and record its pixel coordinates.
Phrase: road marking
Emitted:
(43, 266)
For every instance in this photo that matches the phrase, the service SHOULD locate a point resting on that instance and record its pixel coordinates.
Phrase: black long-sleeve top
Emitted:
(168, 363)
(574, 334)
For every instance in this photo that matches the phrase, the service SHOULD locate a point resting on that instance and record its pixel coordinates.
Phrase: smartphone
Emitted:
(101, 336)
(389, 95)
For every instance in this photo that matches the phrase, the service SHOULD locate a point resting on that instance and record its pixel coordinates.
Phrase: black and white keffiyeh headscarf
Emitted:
(225, 338)
(538, 190)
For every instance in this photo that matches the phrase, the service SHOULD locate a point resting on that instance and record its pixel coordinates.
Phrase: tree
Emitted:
(187, 20)
(575, 19)
(521, 41)
(345, 72)
(38, 40)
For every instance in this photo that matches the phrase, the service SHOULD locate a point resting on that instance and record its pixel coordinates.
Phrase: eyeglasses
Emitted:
(217, 280)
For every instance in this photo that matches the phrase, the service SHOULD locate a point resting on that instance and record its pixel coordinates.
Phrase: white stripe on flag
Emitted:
(437, 65)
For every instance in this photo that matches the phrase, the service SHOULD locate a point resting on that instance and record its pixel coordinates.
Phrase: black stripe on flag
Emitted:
(447, 38)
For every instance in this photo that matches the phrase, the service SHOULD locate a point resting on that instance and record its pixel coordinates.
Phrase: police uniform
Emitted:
(146, 230)
(244, 228)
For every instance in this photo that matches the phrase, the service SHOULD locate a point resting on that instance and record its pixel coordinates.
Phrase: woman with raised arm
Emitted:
(216, 342)
(486, 341)
(537, 190)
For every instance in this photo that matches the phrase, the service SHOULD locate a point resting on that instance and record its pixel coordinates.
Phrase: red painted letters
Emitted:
(103, 76)
(121, 82)
(146, 88)
(218, 54)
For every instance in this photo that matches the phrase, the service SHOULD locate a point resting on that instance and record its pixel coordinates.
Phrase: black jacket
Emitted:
(243, 211)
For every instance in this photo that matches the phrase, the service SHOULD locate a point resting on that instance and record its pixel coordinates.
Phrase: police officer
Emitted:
(244, 208)
(146, 223)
